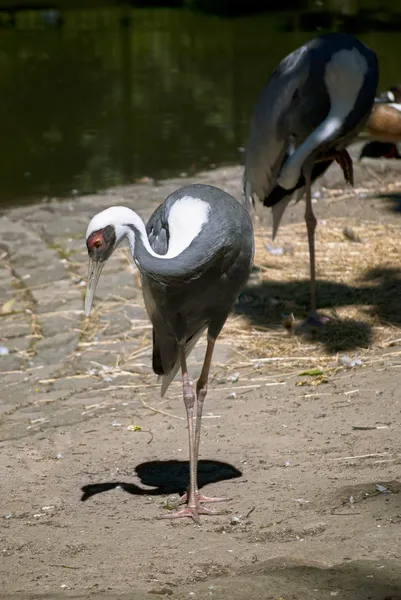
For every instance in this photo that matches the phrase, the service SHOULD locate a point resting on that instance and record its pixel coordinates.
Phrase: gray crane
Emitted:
(194, 257)
(314, 104)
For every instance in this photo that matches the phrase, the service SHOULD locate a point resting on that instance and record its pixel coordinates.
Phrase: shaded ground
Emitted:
(89, 453)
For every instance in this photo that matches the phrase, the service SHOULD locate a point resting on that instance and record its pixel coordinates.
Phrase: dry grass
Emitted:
(359, 287)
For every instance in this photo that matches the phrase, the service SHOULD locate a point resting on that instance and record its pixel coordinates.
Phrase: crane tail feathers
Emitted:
(299, 194)
(169, 377)
(277, 213)
(248, 199)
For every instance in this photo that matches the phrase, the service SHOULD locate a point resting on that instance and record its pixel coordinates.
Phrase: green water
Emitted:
(117, 94)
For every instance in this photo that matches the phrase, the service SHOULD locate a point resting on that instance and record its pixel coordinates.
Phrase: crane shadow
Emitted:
(375, 295)
(393, 201)
(166, 477)
(383, 293)
(356, 580)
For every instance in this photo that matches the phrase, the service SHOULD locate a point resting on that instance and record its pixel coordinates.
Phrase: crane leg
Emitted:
(345, 161)
(311, 222)
(193, 508)
(201, 391)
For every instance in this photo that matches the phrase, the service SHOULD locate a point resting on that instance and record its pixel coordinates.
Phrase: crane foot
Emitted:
(192, 512)
(200, 498)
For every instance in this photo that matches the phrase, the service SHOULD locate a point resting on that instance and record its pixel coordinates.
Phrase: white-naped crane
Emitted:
(194, 257)
(314, 104)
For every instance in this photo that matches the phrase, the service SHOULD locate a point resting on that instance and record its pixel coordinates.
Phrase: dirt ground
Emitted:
(90, 455)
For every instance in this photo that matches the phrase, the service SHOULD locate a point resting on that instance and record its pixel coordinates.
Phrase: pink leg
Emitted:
(310, 219)
(345, 162)
(193, 508)
(201, 391)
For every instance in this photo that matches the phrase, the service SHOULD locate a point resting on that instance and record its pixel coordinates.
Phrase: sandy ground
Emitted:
(89, 455)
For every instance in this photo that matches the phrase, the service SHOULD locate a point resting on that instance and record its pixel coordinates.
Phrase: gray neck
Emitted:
(190, 264)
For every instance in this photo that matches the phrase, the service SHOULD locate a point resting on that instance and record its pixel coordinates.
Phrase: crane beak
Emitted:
(95, 268)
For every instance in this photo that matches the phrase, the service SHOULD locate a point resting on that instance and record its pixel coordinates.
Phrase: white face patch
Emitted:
(186, 219)
(117, 216)
(344, 76)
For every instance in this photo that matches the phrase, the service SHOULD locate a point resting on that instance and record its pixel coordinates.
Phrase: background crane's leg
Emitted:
(311, 222)
(201, 391)
(310, 219)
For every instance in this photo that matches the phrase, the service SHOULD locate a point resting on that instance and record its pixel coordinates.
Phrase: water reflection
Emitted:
(102, 97)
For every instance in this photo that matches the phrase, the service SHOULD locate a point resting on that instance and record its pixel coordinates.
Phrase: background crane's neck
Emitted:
(343, 77)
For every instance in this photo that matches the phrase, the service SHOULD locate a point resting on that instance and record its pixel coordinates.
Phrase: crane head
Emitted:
(100, 244)
(105, 232)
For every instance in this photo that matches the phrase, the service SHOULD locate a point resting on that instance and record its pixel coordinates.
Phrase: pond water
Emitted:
(102, 97)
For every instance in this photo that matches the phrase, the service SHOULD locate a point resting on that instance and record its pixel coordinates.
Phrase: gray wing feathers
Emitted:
(168, 378)
(157, 230)
(269, 140)
(159, 242)
(164, 347)
(277, 213)
(279, 209)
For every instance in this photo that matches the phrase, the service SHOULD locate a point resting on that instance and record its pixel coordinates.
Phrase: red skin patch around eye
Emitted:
(95, 241)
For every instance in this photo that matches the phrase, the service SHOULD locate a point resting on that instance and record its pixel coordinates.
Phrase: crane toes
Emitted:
(192, 512)
(205, 499)
(188, 511)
